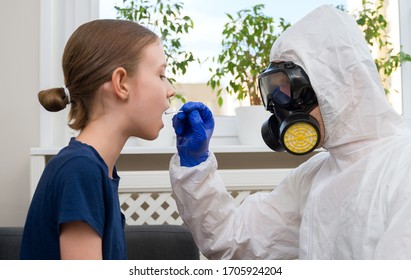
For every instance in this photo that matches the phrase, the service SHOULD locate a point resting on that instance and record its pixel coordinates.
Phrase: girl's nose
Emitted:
(170, 90)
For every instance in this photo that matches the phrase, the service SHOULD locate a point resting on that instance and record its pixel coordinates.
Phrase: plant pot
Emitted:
(249, 120)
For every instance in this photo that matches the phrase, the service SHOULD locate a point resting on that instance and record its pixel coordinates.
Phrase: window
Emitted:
(204, 40)
(60, 18)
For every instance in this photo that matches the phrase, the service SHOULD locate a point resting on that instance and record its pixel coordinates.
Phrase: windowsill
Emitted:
(165, 150)
(225, 139)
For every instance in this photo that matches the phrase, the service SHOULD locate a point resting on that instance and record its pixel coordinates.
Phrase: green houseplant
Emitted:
(374, 26)
(247, 39)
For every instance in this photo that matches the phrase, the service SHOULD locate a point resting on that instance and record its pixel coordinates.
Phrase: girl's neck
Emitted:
(107, 142)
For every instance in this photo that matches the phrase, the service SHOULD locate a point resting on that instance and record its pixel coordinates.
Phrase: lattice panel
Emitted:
(159, 207)
(149, 208)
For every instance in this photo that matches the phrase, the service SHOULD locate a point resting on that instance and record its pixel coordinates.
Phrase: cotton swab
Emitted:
(172, 112)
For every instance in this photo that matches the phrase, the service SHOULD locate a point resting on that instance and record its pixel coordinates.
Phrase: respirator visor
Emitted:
(275, 89)
(285, 85)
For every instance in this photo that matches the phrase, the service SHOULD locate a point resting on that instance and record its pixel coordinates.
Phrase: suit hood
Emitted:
(329, 46)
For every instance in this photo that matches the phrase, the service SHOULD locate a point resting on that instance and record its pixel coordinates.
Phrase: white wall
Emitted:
(33, 34)
(19, 111)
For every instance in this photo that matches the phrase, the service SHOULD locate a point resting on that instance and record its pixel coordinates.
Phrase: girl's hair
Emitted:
(91, 55)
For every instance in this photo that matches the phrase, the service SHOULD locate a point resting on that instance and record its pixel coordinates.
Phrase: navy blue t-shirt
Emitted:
(74, 186)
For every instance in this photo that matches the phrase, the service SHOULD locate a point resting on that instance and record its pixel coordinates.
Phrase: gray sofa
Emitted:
(145, 242)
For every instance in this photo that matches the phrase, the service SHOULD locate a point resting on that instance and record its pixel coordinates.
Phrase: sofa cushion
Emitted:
(144, 242)
(10, 242)
(160, 242)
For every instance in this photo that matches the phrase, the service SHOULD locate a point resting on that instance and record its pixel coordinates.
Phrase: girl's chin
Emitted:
(152, 135)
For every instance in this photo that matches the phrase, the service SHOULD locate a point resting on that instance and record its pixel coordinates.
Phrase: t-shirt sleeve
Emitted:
(79, 188)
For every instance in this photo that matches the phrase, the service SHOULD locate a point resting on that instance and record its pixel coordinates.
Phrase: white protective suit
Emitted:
(352, 201)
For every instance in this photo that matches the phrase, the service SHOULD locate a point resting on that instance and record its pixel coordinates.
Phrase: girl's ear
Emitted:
(119, 82)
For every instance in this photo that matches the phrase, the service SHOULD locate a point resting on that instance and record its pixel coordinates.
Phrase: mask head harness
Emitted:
(287, 93)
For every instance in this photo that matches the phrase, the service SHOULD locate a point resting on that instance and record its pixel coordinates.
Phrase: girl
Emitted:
(115, 82)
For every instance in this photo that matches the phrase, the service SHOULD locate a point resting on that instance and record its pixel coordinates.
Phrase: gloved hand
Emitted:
(194, 126)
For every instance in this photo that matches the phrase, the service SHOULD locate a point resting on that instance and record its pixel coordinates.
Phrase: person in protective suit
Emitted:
(350, 201)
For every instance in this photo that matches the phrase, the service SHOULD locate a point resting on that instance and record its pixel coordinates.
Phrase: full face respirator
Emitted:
(287, 93)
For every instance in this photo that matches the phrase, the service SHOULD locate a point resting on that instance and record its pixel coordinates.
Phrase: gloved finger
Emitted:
(197, 125)
(191, 106)
(195, 118)
(205, 113)
(178, 123)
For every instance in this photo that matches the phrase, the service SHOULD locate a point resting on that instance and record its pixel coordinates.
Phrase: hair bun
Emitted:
(53, 100)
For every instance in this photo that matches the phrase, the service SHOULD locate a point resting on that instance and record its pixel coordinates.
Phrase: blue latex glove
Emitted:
(194, 126)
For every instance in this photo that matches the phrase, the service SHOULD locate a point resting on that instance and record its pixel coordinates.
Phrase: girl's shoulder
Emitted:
(76, 161)
(78, 155)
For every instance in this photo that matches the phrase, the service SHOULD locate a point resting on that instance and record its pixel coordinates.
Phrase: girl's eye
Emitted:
(163, 77)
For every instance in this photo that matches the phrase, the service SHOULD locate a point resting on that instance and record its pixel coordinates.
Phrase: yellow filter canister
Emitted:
(300, 138)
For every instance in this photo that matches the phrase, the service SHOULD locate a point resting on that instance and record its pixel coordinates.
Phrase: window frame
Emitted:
(58, 20)
(404, 9)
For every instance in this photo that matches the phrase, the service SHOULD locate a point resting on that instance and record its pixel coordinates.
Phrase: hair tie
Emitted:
(67, 92)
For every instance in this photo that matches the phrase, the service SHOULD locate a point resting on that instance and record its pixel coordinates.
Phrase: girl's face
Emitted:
(150, 93)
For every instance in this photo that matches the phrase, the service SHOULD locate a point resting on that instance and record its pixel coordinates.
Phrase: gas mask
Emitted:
(287, 93)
